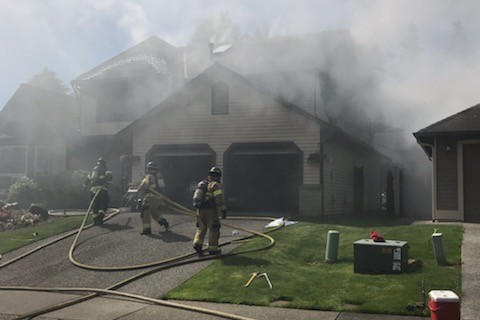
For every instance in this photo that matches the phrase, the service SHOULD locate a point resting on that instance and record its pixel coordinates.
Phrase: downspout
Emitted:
(322, 170)
(75, 88)
(320, 147)
(434, 177)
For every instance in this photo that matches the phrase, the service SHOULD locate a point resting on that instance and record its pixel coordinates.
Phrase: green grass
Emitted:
(302, 279)
(14, 239)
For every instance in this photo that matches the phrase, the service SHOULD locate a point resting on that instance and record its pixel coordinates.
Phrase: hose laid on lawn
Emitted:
(161, 265)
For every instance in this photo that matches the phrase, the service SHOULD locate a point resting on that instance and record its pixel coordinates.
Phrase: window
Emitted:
(13, 160)
(42, 161)
(220, 98)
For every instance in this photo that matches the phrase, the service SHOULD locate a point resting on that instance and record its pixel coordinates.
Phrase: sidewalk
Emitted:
(103, 308)
(13, 303)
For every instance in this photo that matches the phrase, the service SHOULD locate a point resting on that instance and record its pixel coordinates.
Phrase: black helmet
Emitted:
(215, 172)
(101, 162)
(151, 167)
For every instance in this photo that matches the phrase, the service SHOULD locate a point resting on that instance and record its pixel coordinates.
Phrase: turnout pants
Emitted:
(151, 209)
(207, 220)
(100, 205)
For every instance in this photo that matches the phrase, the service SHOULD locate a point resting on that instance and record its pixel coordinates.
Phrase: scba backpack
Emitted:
(199, 194)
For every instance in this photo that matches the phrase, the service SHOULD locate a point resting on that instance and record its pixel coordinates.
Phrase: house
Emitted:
(276, 157)
(284, 112)
(453, 145)
(36, 126)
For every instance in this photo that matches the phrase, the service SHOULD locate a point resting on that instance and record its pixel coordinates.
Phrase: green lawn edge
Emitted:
(14, 239)
(302, 279)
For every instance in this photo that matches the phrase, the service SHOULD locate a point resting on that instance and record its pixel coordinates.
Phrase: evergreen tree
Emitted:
(48, 80)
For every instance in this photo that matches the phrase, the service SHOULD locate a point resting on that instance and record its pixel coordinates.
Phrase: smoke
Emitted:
(414, 91)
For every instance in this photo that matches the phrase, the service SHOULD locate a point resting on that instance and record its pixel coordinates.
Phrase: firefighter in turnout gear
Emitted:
(209, 201)
(151, 203)
(97, 181)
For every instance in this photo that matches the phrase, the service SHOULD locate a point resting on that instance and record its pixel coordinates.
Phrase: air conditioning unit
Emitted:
(390, 256)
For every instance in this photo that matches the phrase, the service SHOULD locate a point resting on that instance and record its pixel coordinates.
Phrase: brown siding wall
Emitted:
(447, 180)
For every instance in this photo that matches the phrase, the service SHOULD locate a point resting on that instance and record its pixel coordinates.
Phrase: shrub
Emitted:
(24, 191)
(65, 191)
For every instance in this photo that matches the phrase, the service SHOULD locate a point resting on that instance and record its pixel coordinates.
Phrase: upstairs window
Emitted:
(220, 98)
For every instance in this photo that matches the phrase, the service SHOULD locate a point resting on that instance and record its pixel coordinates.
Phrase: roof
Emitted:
(30, 103)
(466, 121)
(153, 52)
(288, 66)
(216, 67)
(285, 53)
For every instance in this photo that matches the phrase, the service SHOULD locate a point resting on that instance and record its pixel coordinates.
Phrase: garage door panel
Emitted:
(263, 180)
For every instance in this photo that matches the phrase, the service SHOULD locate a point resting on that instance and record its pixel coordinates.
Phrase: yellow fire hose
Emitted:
(161, 265)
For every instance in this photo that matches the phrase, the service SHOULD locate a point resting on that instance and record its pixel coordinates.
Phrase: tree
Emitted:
(216, 29)
(48, 80)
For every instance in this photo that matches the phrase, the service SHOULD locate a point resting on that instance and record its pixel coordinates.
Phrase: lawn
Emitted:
(14, 239)
(301, 278)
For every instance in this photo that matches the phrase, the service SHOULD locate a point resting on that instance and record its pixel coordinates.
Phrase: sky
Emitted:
(71, 37)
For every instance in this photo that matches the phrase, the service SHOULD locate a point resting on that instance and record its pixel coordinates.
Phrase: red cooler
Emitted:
(444, 305)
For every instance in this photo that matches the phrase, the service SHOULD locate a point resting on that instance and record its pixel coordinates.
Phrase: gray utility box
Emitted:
(390, 256)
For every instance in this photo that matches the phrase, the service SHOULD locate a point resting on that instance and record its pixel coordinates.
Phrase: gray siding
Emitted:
(447, 180)
(340, 159)
(252, 117)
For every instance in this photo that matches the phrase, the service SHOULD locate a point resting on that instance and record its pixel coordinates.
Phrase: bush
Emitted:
(65, 191)
(24, 191)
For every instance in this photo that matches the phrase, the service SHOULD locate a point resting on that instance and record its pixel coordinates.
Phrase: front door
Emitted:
(471, 182)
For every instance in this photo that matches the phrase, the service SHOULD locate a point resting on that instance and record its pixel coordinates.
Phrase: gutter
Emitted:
(433, 158)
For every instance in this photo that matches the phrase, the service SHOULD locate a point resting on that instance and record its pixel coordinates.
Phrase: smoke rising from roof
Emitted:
(417, 88)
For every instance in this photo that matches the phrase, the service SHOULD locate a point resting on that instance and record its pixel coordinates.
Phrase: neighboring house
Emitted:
(119, 91)
(453, 145)
(36, 126)
(276, 157)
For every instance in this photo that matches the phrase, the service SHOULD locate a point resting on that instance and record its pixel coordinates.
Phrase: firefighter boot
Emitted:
(214, 252)
(98, 220)
(164, 223)
(198, 249)
(146, 232)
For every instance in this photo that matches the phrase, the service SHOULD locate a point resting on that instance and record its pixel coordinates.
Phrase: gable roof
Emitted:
(466, 121)
(461, 123)
(30, 103)
(154, 52)
(215, 68)
(288, 66)
(272, 54)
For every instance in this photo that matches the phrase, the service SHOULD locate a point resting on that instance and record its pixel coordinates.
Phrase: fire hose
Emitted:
(159, 265)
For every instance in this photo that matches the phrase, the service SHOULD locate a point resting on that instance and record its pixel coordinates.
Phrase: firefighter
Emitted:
(209, 201)
(151, 202)
(97, 181)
